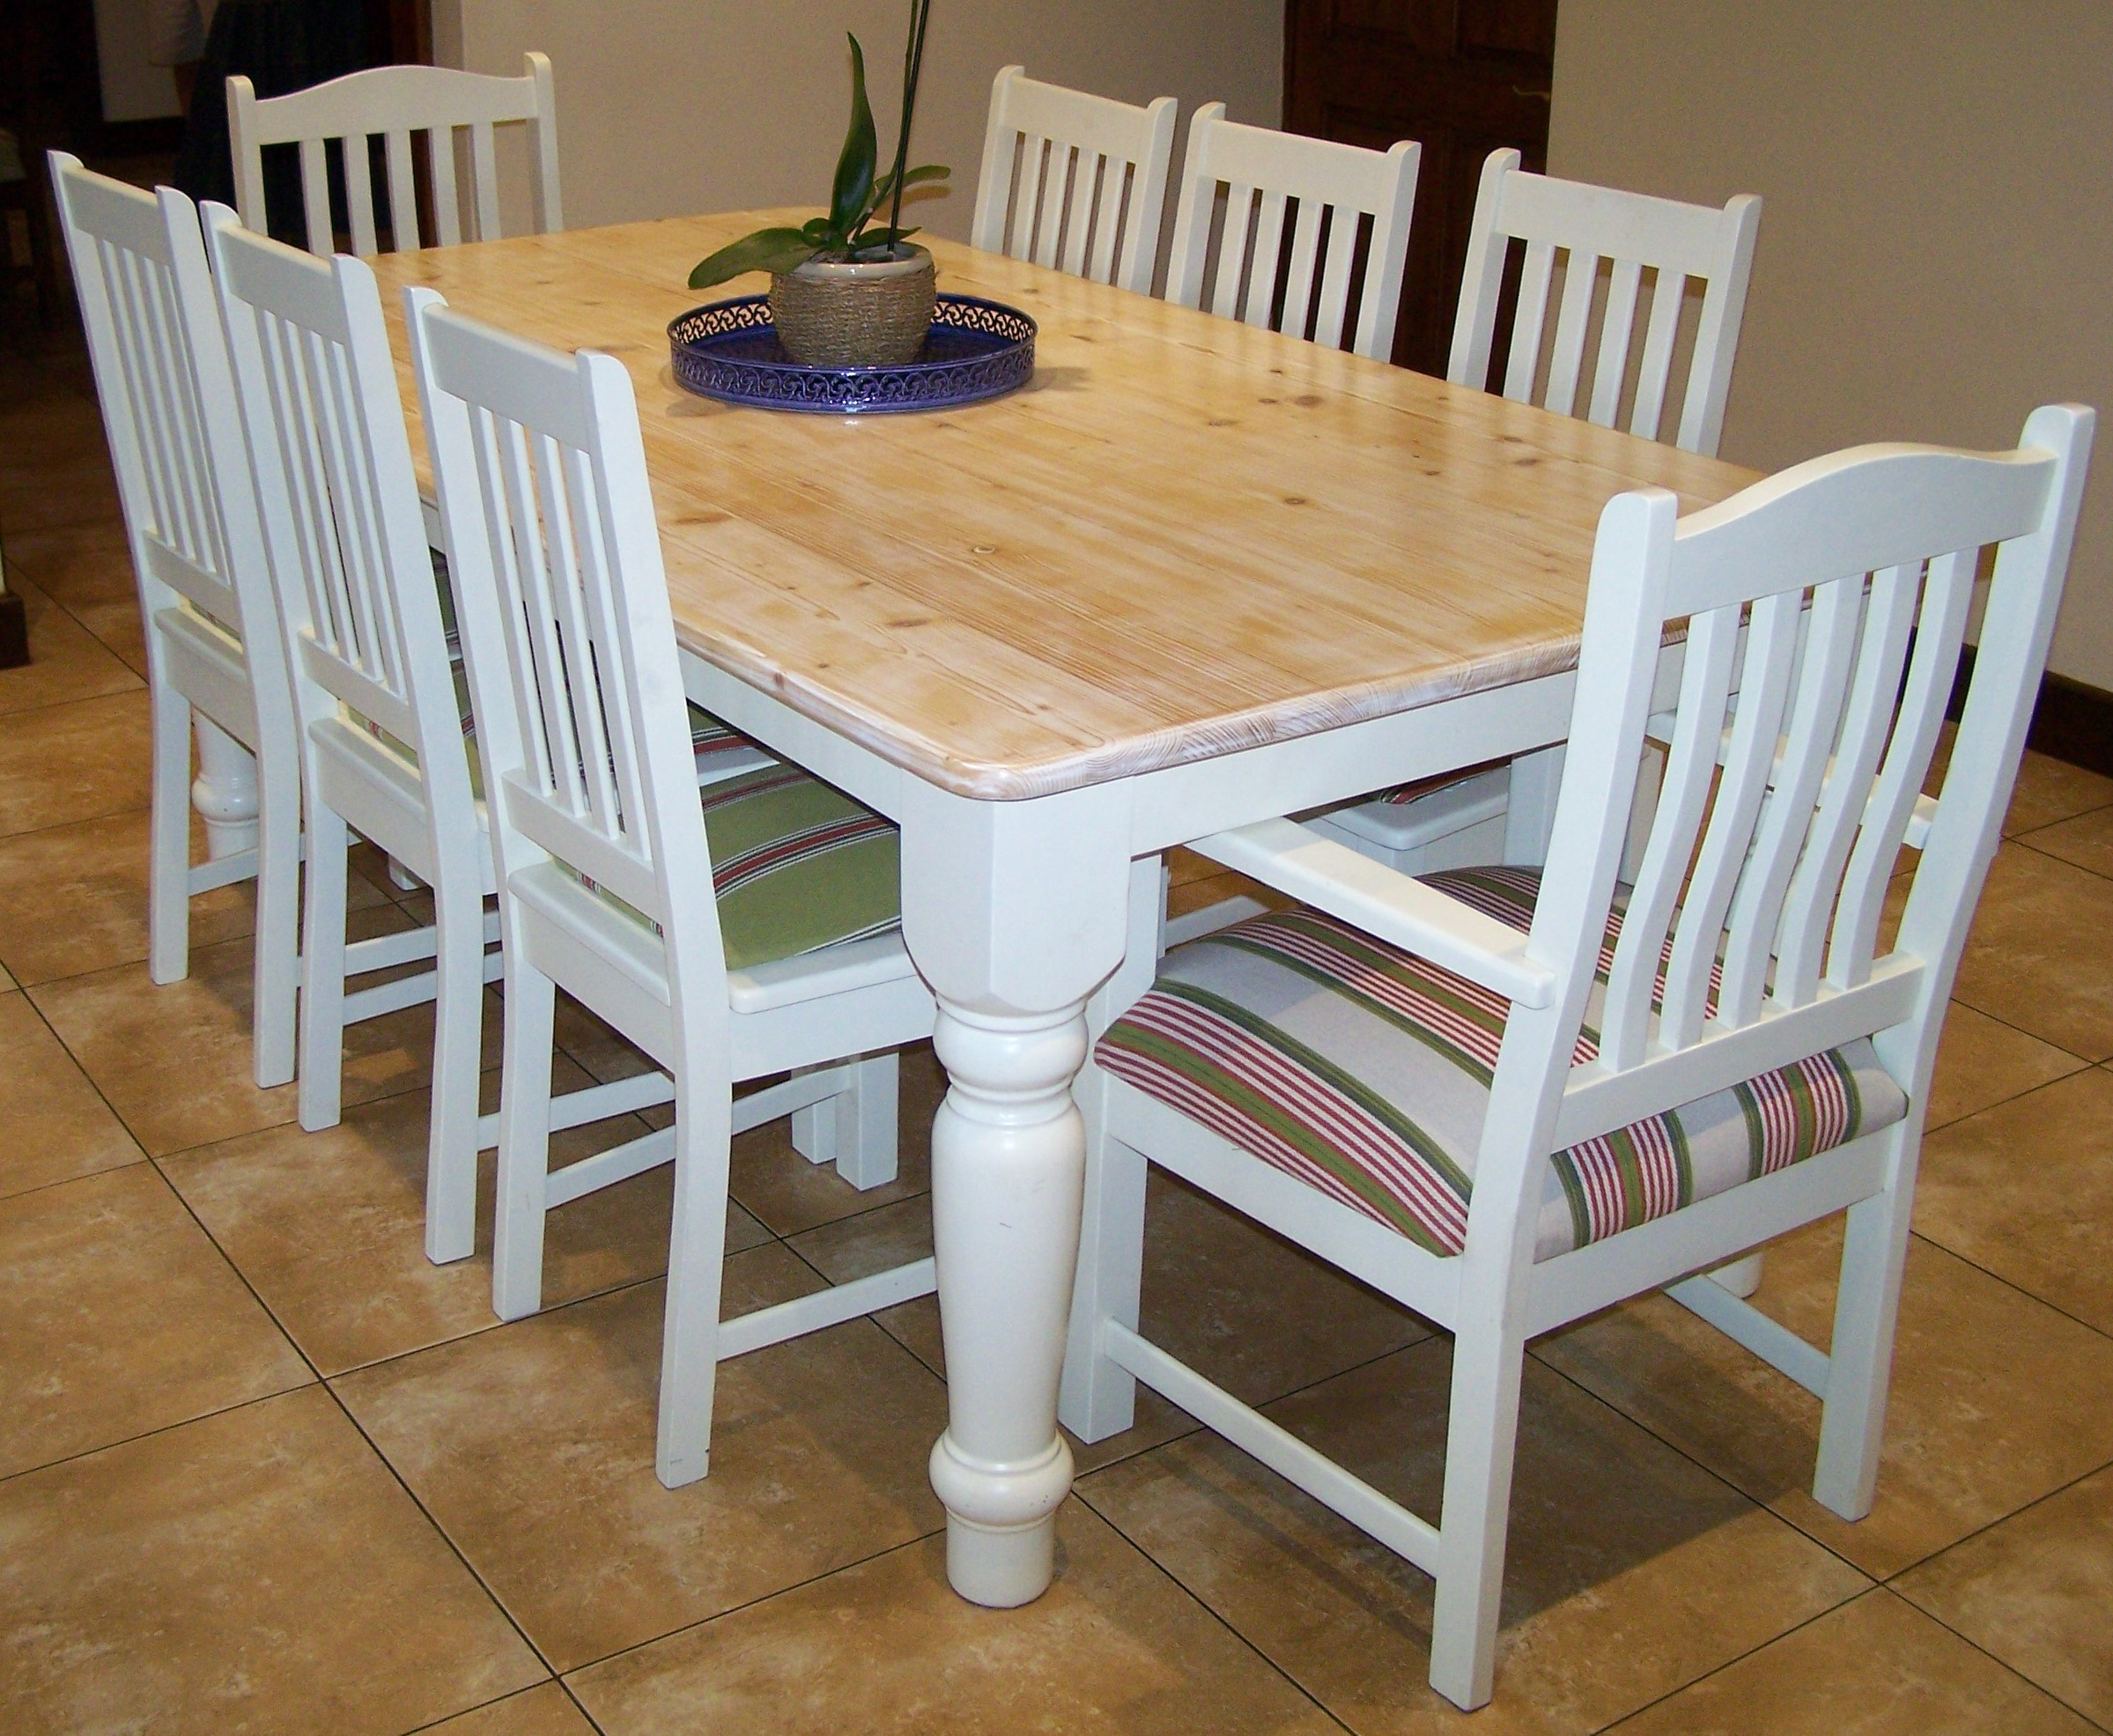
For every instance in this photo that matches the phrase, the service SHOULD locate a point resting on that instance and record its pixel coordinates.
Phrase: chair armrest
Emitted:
(1386, 903)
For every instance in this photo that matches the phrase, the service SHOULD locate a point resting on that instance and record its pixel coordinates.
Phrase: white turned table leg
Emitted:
(225, 792)
(1009, 1160)
(1015, 913)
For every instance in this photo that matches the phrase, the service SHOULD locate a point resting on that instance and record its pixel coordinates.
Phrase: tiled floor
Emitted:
(264, 1469)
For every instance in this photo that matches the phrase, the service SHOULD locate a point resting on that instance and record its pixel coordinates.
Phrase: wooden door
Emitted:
(1460, 77)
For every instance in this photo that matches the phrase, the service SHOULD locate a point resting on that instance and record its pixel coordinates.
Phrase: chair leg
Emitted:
(524, 1143)
(1530, 807)
(324, 970)
(1098, 1397)
(1859, 1362)
(1741, 1277)
(277, 944)
(1481, 1436)
(856, 1129)
(458, 1041)
(697, 1250)
(169, 845)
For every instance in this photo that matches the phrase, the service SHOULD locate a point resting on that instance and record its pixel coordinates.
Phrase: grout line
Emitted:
(159, 1428)
(2024, 842)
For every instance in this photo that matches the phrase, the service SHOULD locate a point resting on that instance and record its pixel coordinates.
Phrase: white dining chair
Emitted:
(387, 739)
(1606, 241)
(392, 103)
(1294, 209)
(754, 931)
(214, 655)
(1509, 1098)
(1074, 181)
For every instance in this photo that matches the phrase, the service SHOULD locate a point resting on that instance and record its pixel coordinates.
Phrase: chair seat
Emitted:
(1364, 1071)
(797, 866)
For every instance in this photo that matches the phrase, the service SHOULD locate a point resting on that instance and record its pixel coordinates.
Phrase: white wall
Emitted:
(1936, 249)
(668, 107)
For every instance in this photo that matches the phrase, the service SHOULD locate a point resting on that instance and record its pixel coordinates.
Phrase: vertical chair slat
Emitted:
(483, 165)
(1786, 823)
(1298, 285)
(1764, 680)
(1525, 362)
(1232, 252)
(315, 196)
(1939, 630)
(1610, 363)
(1666, 294)
(446, 201)
(1889, 619)
(1580, 279)
(1107, 220)
(1335, 277)
(359, 192)
(1051, 233)
(1260, 287)
(1027, 213)
(1078, 225)
(402, 189)
(1683, 799)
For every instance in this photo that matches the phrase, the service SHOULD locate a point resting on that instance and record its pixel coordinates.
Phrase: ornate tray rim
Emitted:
(853, 391)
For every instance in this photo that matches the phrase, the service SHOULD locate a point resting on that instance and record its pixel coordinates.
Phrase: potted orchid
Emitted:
(847, 291)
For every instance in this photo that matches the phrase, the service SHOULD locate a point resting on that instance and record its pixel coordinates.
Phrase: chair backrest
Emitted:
(1074, 181)
(350, 568)
(1274, 268)
(1826, 608)
(161, 372)
(1628, 234)
(395, 102)
(565, 624)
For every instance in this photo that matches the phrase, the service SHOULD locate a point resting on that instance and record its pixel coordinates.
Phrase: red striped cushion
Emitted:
(1364, 1071)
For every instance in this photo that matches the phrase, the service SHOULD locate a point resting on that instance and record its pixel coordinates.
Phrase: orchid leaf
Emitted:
(851, 201)
(765, 250)
(868, 240)
(816, 229)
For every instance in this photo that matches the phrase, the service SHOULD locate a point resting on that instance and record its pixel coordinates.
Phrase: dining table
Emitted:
(1196, 574)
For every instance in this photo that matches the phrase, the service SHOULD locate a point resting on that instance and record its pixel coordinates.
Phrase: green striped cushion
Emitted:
(1364, 1071)
(797, 865)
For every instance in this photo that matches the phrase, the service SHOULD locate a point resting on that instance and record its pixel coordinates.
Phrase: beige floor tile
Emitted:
(886, 1646)
(257, 1571)
(1982, 1061)
(87, 570)
(74, 762)
(790, 1194)
(59, 473)
(121, 1316)
(2040, 954)
(1206, 889)
(1631, 1570)
(2036, 1591)
(73, 899)
(1875, 1668)
(329, 1229)
(2050, 789)
(1996, 1397)
(174, 1059)
(53, 1125)
(2025, 1191)
(544, 1711)
(2087, 840)
(66, 661)
(6, 980)
(533, 1447)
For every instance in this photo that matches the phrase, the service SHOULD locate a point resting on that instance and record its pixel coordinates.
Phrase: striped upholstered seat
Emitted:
(797, 866)
(1365, 1072)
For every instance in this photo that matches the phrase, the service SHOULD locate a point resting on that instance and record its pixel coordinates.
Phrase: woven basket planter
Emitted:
(842, 316)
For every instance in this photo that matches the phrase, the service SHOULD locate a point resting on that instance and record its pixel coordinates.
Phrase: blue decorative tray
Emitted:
(975, 350)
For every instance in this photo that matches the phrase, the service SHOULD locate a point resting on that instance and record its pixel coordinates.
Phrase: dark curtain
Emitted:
(281, 45)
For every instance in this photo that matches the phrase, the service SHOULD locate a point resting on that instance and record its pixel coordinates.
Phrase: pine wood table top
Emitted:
(1186, 536)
